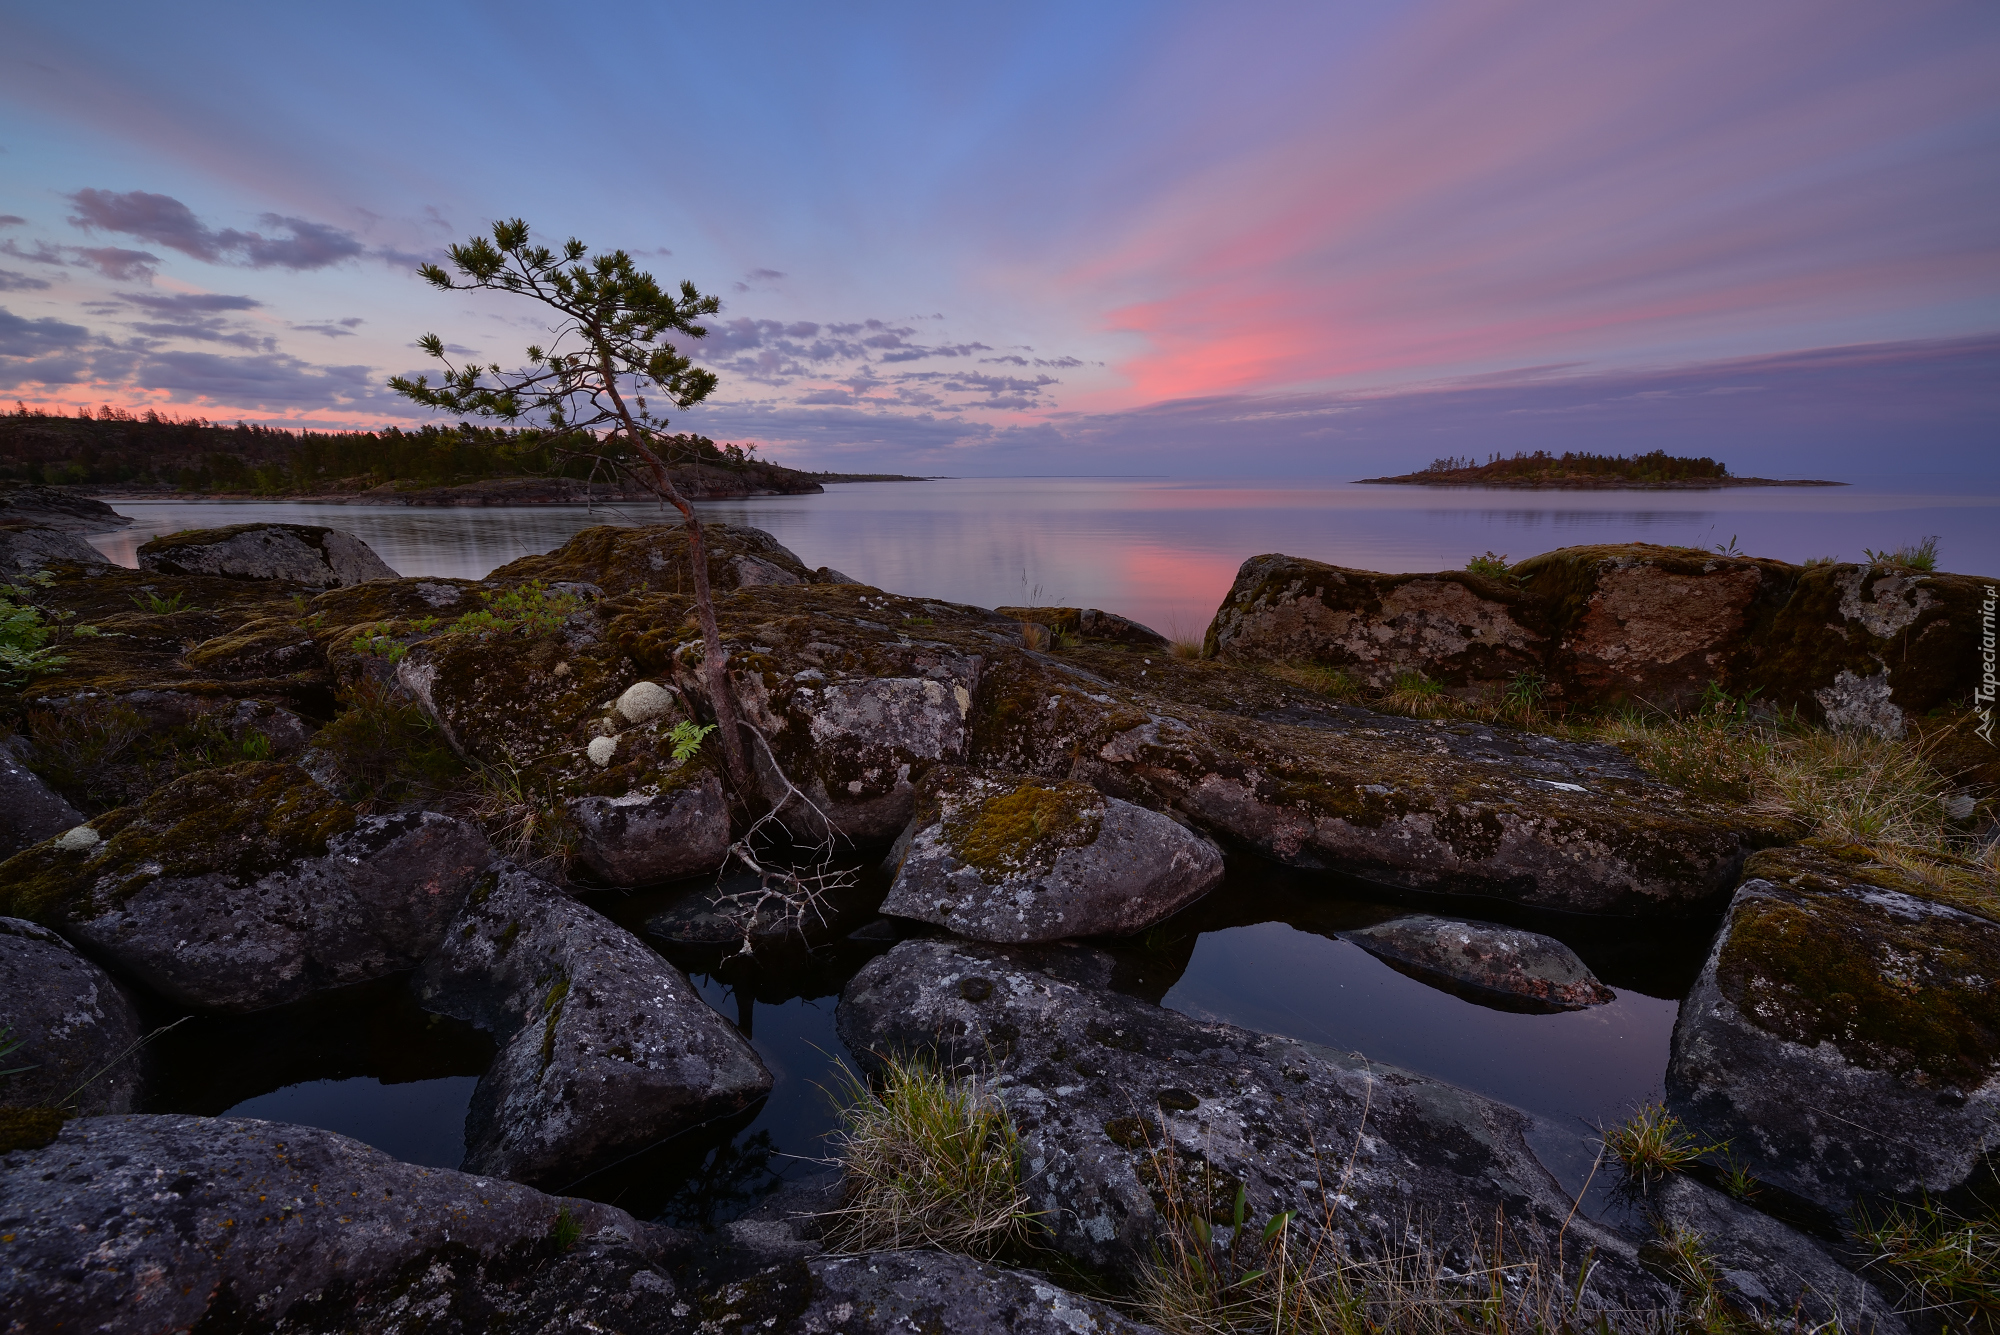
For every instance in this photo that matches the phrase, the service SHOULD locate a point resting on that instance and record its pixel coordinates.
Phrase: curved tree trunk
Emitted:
(714, 661)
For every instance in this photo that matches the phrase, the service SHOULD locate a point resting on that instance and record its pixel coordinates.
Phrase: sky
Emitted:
(1257, 239)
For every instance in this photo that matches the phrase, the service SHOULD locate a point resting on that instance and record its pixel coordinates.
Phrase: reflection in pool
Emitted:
(1263, 951)
(420, 1122)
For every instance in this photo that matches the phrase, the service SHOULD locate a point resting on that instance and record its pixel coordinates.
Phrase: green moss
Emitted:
(1027, 825)
(29, 1128)
(239, 820)
(1916, 998)
(552, 1003)
(387, 749)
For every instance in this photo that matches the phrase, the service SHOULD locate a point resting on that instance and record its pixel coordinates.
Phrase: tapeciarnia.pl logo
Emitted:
(1982, 695)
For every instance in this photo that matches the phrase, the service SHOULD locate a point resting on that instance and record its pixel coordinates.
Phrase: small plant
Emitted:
(1186, 649)
(931, 1160)
(378, 643)
(1693, 1268)
(524, 819)
(1729, 548)
(529, 609)
(1737, 1179)
(1416, 694)
(1815, 562)
(1522, 700)
(9, 1045)
(31, 636)
(387, 750)
(686, 738)
(148, 601)
(1921, 557)
(1653, 1143)
(565, 1231)
(1491, 565)
(1949, 1264)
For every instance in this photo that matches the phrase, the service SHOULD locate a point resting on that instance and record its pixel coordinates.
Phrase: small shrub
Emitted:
(931, 1160)
(379, 643)
(1921, 557)
(387, 750)
(529, 609)
(1653, 1143)
(1949, 1264)
(149, 601)
(1490, 565)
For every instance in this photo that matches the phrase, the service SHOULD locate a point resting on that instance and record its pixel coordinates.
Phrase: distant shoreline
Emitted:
(1596, 484)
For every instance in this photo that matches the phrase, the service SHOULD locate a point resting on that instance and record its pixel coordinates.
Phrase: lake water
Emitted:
(1264, 951)
(1163, 552)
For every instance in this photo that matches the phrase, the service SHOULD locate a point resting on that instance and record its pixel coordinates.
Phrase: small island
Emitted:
(1572, 471)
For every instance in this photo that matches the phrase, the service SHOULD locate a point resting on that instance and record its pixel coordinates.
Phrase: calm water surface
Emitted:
(1164, 551)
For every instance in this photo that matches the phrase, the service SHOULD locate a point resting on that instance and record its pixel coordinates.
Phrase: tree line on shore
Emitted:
(113, 447)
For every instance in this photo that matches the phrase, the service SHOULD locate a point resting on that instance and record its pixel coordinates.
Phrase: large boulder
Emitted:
(307, 554)
(78, 1031)
(892, 1293)
(1470, 633)
(1652, 625)
(1102, 1085)
(1000, 857)
(248, 886)
(1772, 1272)
(26, 548)
(30, 810)
(145, 1224)
(656, 833)
(654, 559)
(1508, 967)
(1873, 648)
(606, 1047)
(52, 507)
(1844, 1033)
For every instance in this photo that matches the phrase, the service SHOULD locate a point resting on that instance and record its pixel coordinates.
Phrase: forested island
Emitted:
(118, 452)
(1576, 471)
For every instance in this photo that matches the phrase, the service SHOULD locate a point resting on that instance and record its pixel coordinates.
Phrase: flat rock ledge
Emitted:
(144, 1224)
(607, 1048)
(1100, 1084)
(1007, 858)
(1506, 967)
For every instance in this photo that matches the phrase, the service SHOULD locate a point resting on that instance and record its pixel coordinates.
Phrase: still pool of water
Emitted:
(1163, 551)
(1265, 951)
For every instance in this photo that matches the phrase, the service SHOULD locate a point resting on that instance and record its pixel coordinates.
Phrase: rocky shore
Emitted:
(255, 788)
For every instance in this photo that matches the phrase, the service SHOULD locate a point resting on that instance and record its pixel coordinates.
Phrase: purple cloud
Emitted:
(10, 281)
(166, 221)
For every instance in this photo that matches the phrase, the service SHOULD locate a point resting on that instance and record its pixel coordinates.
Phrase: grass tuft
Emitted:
(1653, 1143)
(1948, 1265)
(1921, 557)
(929, 1159)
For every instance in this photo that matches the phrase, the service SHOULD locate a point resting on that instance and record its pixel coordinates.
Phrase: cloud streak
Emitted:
(296, 243)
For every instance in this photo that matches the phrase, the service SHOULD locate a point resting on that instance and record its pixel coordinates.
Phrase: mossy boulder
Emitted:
(308, 554)
(653, 833)
(1845, 1033)
(248, 886)
(1651, 625)
(1873, 648)
(260, 647)
(654, 559)
(1008, 857)
(77, 1029)
(606, 1047)
(1467, 632)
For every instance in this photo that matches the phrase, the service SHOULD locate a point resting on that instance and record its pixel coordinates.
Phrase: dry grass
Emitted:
(1236, 1275)
(1847, 788)
(1948, 1265)
(524, 821)
(929, 1159)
